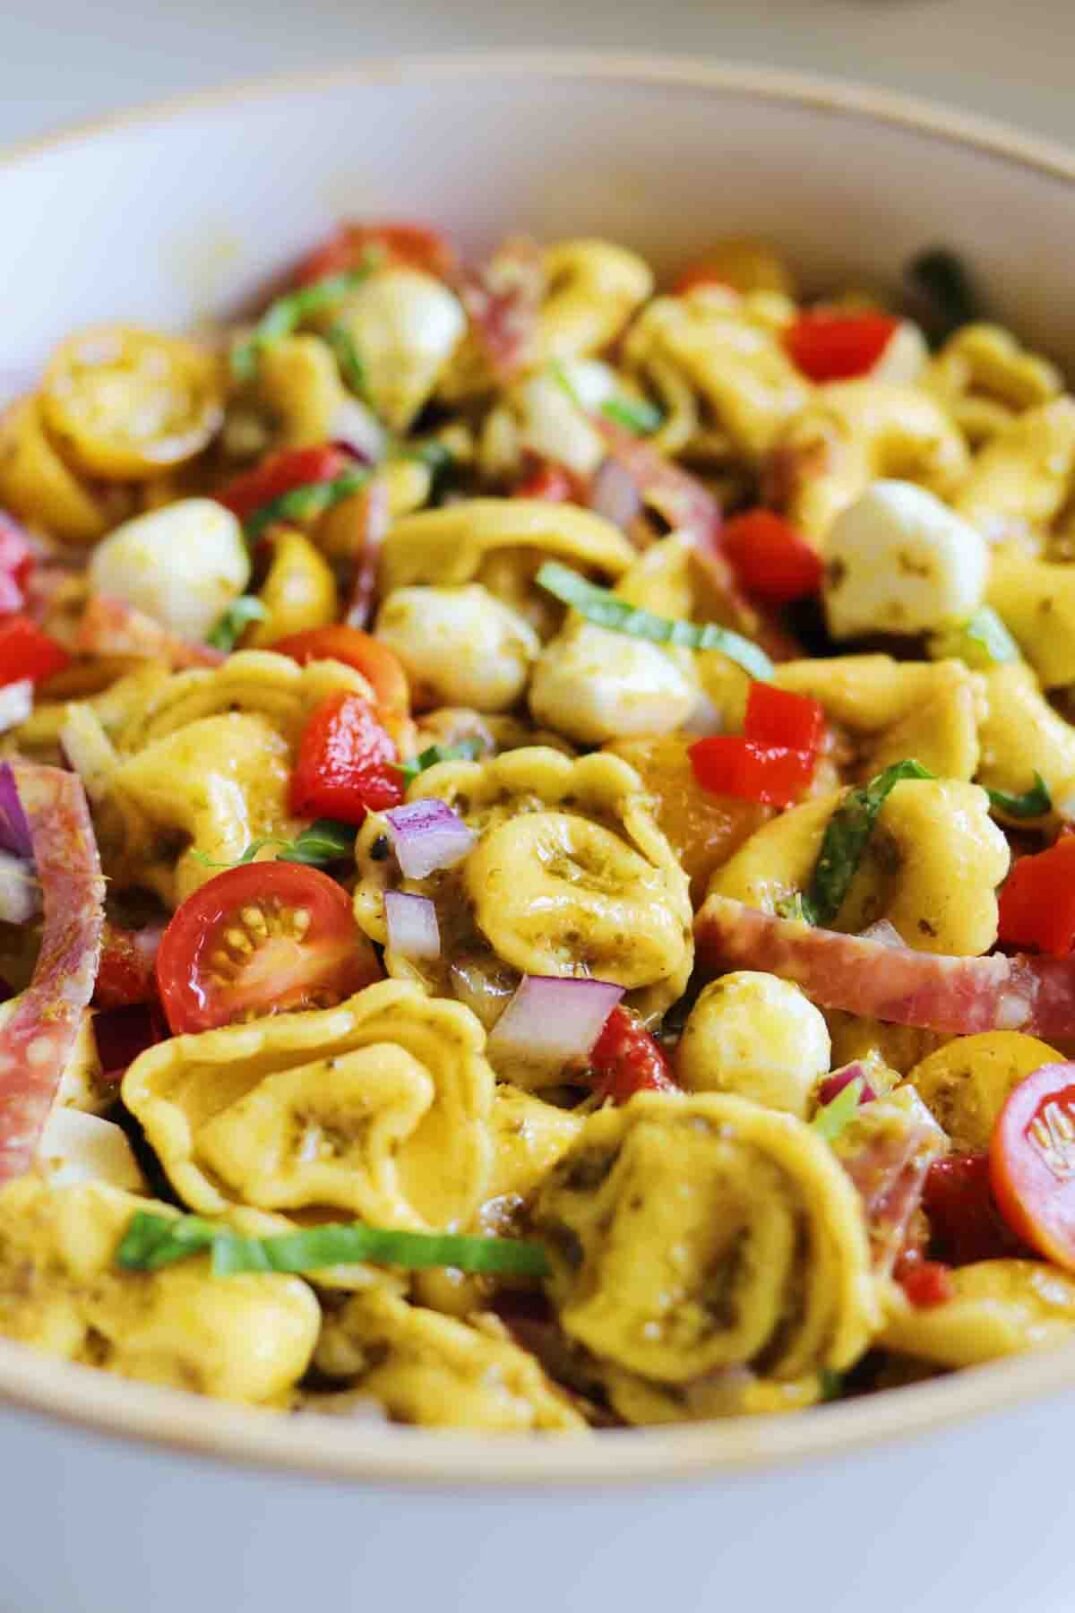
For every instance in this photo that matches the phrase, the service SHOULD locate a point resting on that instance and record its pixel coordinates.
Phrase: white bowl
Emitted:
(120, 1498)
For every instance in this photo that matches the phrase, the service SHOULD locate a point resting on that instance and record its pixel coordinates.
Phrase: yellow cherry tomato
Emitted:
(125, 403)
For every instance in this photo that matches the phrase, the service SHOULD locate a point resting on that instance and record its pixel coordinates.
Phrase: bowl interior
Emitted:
(169, 217)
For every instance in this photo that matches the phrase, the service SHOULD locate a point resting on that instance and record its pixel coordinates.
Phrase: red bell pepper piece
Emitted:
(770, 558)
(829, 344)
(554, 483)
(27, 652)
(347, 763)
(1037, 900)
(410, 246)
(964, 1221)
(925, 1282)
(626, 1059)
(778, 717)
(731, 764)
(282, 473)
(16, 563)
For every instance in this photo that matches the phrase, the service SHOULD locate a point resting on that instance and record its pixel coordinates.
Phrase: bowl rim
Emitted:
(335, 1449)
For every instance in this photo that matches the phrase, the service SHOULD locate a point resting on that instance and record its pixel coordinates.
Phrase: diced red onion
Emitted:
(884, 933)
(20, 894)
(356, 430)
(835, 1083)
(413, 930)
(614, 494)
(122, 1033)
(16, 703)
(552, 1021)
(427, 835)
(14, 826)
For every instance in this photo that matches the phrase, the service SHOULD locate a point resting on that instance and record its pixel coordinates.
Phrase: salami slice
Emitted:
(502, 300)
(957, 996)
(38, 1038)
(110, 627)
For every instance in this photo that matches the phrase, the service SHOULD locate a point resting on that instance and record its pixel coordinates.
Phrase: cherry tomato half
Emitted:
(260, 939)
(626, 1059)
(379, 665)
(1032, 1162)
(411, 246)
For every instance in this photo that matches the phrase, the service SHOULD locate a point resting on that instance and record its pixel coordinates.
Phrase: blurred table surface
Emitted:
(64, 59)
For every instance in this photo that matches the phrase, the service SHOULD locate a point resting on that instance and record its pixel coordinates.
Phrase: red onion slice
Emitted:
(15, 833)
(16, 704)
(614, 494)
(20, 894)
(413, 930)
(552, 1021)
(835, 1083)
(428, 835)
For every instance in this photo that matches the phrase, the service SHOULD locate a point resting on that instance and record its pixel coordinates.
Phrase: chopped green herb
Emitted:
(560, 376)
(1033, 803)
(466, 750)
(152, 1241)
(306, 502)
(791, 907)
(286, 314)
(352, 369)
(832, 1384)
(833, 1117)
(845, 839)
(227, 630)
(941, 293)
(636, 414)
(981, 641)
(324, 841)
(607, 610)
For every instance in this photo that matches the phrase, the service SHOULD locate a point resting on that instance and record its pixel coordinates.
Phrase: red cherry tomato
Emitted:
(346, 764)
(379, 665)
(126, 972)
(282, 473)
(964, 1222)
(27, 652)
(829, 344)
(260, 939)
(1037, 900)
(626, 1059)
(411, 246)
(772, 560)
(1032, 1162)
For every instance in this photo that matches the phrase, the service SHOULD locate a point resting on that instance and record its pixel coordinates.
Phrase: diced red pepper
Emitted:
(282, 473)
(626, 1059)
(1037, 900)
(925, 1282)
(552, 482)
(965, 1223)
(27, 652)
(778, 717)
(731, 764)
(829, 344)
(771, 559)
(347, 763)
(408, 245)
(16, 563)
(126, 973)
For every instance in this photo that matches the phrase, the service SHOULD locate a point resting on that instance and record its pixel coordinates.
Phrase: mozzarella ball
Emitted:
(78, 1147)
(900, 561)
(405, 326)
(183, 564)
(756, 1036)
(593, 685)
(460, 646)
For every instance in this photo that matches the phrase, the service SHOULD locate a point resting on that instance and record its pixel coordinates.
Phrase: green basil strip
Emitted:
(352, 369)
(981, 641)
(942, 293)
(831, 1120)
(228, 628)
(286, 314)
(306, 502)
(832, 1384)
(605, 609)
(846, 835)
(636, 414)
(324, 841)
(467, 750)
(152, 1241)
(1033, 803)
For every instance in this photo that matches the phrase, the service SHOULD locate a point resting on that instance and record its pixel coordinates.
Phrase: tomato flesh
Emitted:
(552, 482)
(626, 1059)
(260, 939)
(771, 559)
(828, 344)
(1032, 1162)
(1037, 900)
(379, 665)
(411, 246)
(347, 763)
(27, 652)
(282, 473)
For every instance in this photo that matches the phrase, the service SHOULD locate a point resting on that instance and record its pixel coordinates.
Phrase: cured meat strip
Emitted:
(958, 996)
(37, 1040)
